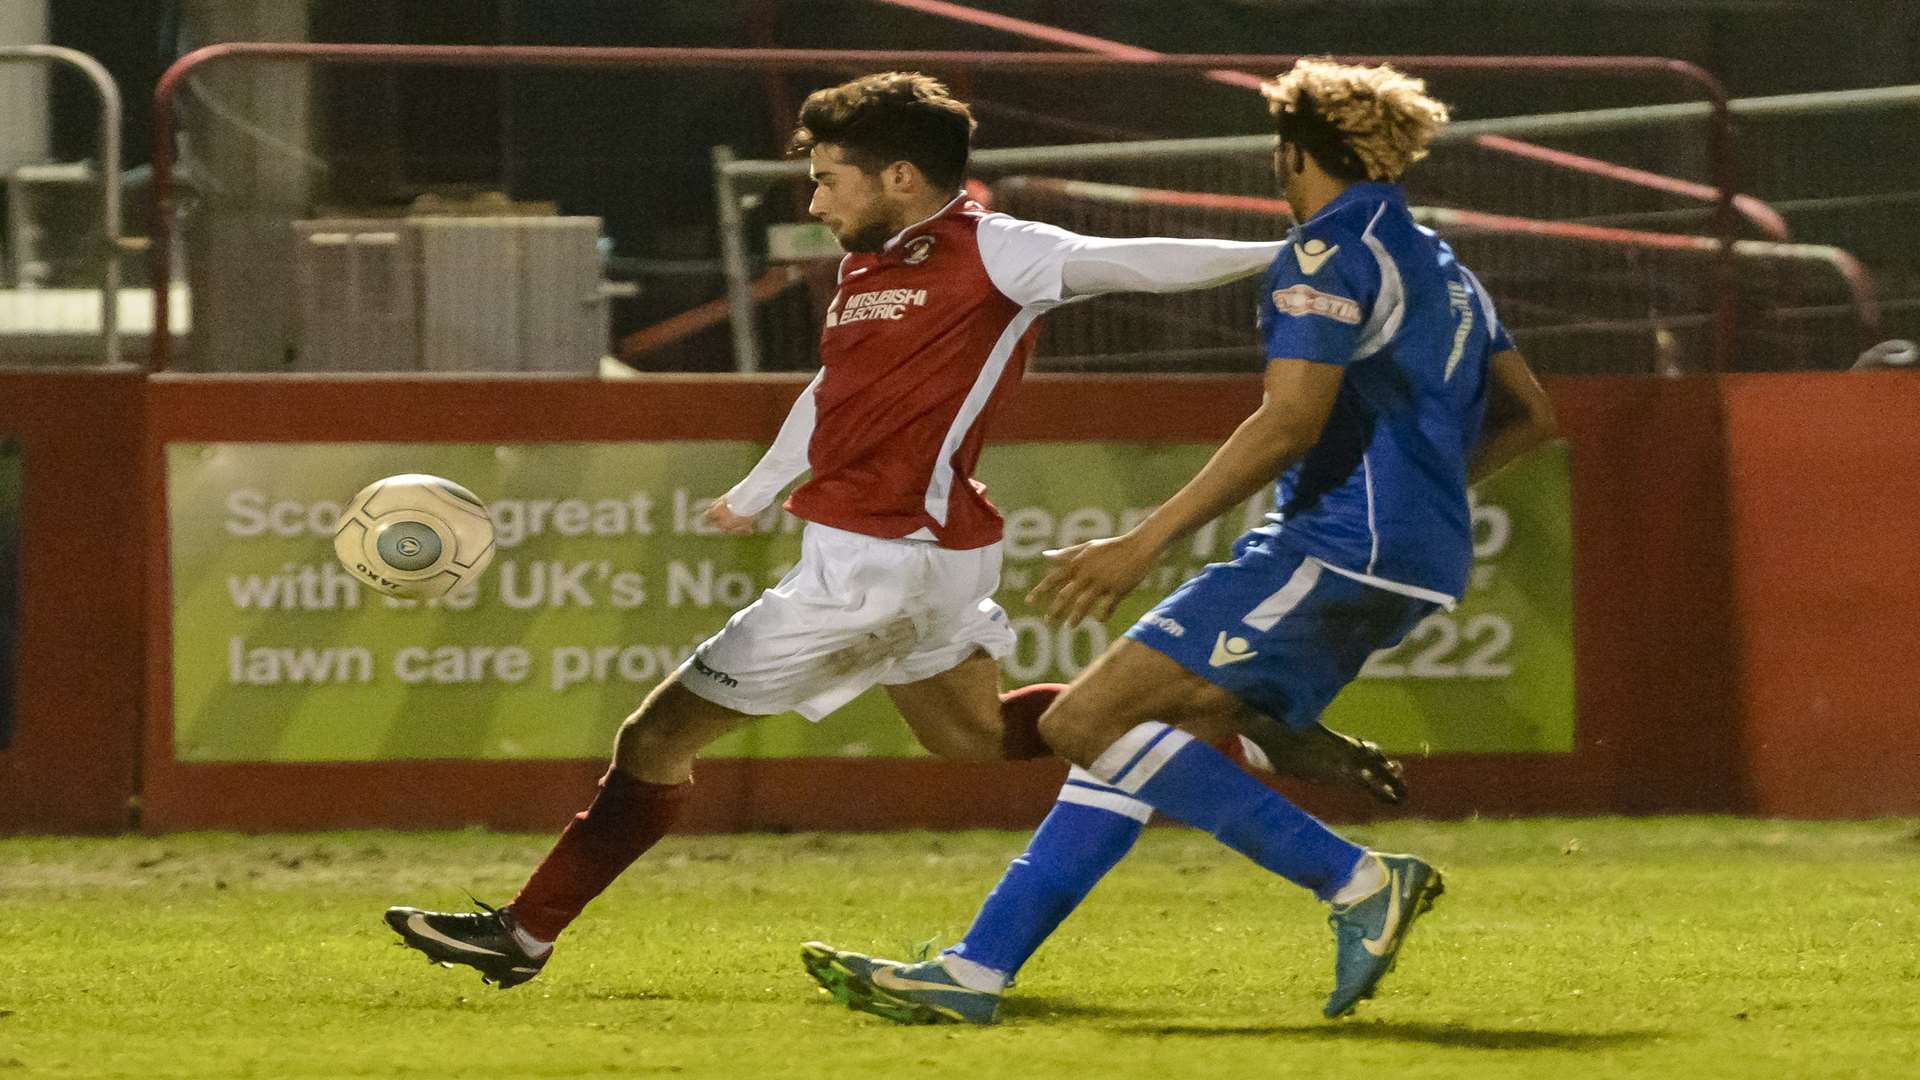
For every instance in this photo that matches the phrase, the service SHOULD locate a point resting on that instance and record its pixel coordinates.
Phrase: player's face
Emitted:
(850, 201)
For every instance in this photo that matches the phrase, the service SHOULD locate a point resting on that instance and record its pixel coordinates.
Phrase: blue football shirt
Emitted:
(1383, 495)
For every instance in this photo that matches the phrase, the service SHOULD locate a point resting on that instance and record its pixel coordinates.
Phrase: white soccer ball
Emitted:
(414, 536)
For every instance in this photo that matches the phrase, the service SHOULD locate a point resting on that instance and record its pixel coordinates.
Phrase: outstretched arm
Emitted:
(785, 460)
(1519, 416)
(1157, 264)
(1035, 263)
(1092, 578)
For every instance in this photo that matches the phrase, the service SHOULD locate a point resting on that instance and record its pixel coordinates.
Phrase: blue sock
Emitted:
(1089, 830)
(1186, 779)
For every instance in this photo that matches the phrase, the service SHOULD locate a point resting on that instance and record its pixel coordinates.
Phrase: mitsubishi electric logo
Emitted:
(889, 304)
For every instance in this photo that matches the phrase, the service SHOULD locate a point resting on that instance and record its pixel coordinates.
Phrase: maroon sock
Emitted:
(626, 817)
(1230, 746)
(1020, 719)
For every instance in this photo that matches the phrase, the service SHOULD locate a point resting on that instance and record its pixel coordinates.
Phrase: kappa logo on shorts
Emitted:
(1231, 650)
(720, 677)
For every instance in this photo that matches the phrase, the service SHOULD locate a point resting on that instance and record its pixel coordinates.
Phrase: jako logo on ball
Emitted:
(414, 536)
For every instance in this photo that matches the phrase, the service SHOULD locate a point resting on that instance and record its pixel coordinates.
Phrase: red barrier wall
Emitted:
(1650, 558)
(1744, 572)
(732, 794)
(72, 766)
(1824, 481)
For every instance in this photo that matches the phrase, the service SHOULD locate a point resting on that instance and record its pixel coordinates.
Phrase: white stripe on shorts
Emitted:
(1281, 604)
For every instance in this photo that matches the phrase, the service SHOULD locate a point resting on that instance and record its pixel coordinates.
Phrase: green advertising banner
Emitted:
(11, 473)
(605, 581)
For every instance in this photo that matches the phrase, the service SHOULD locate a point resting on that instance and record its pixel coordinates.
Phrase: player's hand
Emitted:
(1092, 578)
(720, 515)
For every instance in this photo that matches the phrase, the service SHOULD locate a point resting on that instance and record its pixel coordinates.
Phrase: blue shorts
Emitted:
(1277, 629)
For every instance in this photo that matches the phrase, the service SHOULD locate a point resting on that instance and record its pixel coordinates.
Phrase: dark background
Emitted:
(634, 148)
(1755, 46)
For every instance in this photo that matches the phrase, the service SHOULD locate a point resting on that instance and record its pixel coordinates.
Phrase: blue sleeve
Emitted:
(1317, 296)
(1502, 342)
(1498, 340)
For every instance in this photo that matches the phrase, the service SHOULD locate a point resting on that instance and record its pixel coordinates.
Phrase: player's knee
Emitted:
(1071, 730)
(962, 735)
(966, 746)
(656, 732)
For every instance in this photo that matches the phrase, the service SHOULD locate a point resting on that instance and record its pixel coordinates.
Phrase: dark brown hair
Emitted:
(877, 120)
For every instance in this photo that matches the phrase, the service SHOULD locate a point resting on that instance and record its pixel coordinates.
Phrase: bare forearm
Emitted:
(1258, 451)
(1499, 447)
(1519, 416)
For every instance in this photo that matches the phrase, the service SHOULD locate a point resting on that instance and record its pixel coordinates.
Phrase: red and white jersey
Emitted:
(918, 349)
(923, 341)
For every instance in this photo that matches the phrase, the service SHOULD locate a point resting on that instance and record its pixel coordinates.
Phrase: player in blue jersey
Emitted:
(1390, 387)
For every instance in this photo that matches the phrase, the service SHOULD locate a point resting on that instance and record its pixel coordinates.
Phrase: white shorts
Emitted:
(854, 612)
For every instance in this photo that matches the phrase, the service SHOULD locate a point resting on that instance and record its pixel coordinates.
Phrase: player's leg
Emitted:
(635, 804)
(1110, 702)
(960, 713)
(809, 644)
(956, 713)
(947, 685)
(1285, 653)
(1090, 828)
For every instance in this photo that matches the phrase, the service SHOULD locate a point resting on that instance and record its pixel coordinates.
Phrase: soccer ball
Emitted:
(414, 536)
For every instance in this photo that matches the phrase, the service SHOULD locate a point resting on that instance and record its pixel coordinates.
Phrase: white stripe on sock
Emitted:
(1145, 769)
(1106, 800)
(1123, 750)
(1075, 772)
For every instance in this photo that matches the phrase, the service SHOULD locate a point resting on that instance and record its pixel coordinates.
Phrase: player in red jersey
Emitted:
(928, 332)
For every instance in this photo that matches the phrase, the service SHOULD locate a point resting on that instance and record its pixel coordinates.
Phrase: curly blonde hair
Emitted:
(1382, 116)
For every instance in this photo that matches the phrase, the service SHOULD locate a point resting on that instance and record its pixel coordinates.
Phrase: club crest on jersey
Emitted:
(919, 250)
(1298, 300)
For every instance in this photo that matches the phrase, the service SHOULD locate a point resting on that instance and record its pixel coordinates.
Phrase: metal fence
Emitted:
(303, 192)
(1585, 298)
(62, 294)
(1840, 169)
(1579, 298)
(1599, 266)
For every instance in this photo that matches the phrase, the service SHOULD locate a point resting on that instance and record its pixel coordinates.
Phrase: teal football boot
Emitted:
(1368, 933)
(921, 993)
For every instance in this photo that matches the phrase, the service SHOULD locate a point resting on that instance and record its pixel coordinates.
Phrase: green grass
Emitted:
(1662, 948)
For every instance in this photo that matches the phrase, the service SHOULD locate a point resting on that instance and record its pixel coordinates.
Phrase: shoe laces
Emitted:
(489, 912)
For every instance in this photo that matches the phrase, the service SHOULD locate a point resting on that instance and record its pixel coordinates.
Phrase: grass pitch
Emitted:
(1604, 948)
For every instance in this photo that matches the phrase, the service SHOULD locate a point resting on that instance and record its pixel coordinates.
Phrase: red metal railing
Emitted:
(166, 92)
